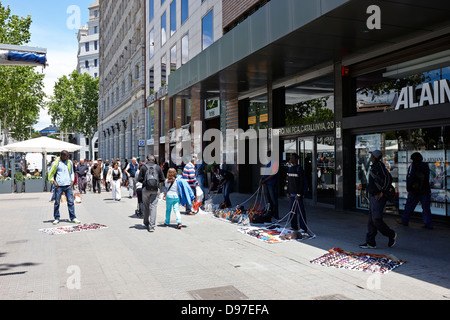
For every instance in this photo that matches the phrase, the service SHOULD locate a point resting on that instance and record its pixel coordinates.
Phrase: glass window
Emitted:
(163, 70)
(310, 101)
(173, 58)
(86, 46)
(152, 43)
(95, 45)
(185, 49)
(258, 113)
(151, 79)
(163, 29)
(151, 8)
(150, 122)
(187, 111)
(397, 148)
(173, 17)
(207, 30)
(163, 118)
(184, 10)
(410, 84)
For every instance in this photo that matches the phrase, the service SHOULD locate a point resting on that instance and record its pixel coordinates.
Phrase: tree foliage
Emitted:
(74, 104)
(21, 88)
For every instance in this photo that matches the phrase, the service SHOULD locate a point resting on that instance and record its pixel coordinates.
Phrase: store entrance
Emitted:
(306, 154)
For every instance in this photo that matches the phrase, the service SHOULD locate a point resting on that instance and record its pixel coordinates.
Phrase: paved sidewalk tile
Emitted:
(207, 257)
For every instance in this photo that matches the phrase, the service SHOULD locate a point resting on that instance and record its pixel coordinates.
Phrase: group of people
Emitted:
(148, 179)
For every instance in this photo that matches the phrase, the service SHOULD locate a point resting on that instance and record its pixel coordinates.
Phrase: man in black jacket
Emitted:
(379, 181)
(418, 187)
(150, 197)
(295, 192)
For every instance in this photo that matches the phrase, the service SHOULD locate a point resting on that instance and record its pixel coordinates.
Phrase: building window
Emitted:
(96, 13)
(163, 118)
(184, 10)
(397, 148)
(86, 46)
(151, 80)
(150, 122)
(207, 30)
(310, 101)
(95, 45)
(185, 49)
(151, 10)
(163, 70)
(86, 64)
(173, 17)
(173, 58)
(187, 111)
(163, 29)
(96, 63)
(95, 29)
(152, 43)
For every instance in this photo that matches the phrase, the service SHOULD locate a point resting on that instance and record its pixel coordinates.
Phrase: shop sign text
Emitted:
(432, 93)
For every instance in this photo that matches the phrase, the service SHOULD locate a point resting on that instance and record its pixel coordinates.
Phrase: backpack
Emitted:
(418, 180)
(150, 180)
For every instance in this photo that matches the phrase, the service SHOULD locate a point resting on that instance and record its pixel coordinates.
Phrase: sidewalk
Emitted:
(207, 259)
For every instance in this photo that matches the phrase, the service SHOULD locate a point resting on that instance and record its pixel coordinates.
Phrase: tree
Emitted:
(21, 88)
(74, 104)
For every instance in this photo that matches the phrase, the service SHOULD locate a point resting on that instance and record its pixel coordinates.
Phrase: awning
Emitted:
(287, 37)
(43, 145)
(11, 55)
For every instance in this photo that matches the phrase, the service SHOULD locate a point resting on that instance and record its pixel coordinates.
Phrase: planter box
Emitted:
(19, 186)
(34, 186)
(6, 186)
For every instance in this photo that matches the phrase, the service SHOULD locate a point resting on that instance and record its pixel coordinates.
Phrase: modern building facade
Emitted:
(177, 31)
(122, 79)
(88, 62)
(333, 80)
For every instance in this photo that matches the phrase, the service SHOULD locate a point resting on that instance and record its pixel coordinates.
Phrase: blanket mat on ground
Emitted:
(366, 262)
(73, 229)
(275, 233)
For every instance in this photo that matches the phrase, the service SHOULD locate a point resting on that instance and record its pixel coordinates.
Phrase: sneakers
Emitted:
(367, 246)
(179, 226)
(392, 241)
(56, 222)
(75, 221)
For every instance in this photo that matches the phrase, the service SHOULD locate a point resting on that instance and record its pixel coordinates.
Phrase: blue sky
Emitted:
(52, 28)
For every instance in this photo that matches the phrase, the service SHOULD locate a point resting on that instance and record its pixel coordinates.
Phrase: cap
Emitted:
(377, 154)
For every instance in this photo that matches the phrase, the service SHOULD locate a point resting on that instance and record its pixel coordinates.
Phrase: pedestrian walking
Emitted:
(379, 181)
(172, 197)
(151, 182)
(419, 190)
(200, 168)
(296, 192)
(82, 171)
(190, 177)
(105, 174)
(115, 178)
(130, 171)
(96, 172)
(140, 206)
(62, 176)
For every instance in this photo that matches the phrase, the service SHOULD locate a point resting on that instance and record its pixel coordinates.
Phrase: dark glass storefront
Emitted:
(413, 92)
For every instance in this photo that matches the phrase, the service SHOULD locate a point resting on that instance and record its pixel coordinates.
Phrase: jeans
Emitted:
(188, 207)
(226, 189)
(82, 182)
(411, 204)
(273, 198)
(96, 185)
(172, 201)
(298, 213)
(131, 186)
(376, 223)
(67, 190)
(150, 200)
